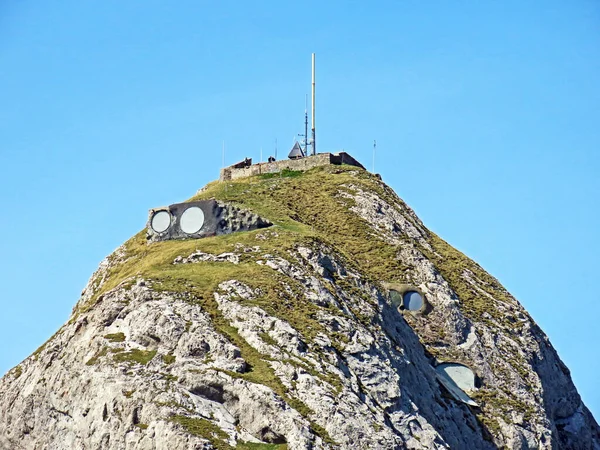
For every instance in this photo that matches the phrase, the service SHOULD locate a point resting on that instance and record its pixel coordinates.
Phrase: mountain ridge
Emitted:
(338, 364)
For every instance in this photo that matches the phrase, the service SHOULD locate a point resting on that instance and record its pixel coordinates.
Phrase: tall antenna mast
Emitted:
(304, 136)
(223, 155)
(314, 140)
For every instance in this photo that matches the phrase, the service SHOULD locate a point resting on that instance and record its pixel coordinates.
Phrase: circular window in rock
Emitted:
(191, 220)
(462, 376)
(412, 300)
(161, 221)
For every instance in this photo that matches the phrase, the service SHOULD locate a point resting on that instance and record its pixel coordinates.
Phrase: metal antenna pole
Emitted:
(374, 148)
(314, 140)
(306, 125)
(275, 149)
(261, 154)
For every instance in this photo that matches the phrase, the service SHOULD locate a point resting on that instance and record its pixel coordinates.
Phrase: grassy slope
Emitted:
(306, 208)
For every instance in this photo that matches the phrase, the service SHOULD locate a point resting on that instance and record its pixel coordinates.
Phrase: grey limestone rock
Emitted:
(285, 341)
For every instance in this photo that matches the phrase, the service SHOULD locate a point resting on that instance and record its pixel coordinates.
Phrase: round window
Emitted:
(191, 220)
(461, 375)
(161, 221)
(412, 300)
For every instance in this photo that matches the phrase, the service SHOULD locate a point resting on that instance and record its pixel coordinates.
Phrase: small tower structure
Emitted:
(296, 152)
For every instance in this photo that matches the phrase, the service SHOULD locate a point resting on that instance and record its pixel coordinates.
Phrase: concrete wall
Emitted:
(322, 159)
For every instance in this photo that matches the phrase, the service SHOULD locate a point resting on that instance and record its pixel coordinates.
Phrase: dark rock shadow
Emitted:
(456, 422)
(573, 426)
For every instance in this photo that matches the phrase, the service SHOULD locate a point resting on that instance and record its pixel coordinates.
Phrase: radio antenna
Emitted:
(306, 125)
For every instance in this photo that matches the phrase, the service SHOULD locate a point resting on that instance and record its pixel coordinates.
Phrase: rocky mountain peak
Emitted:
(344, 324)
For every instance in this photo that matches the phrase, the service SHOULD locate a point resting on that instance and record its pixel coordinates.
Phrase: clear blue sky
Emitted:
(486, 117)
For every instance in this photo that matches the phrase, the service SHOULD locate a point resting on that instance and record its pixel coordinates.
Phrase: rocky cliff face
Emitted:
(288, 338)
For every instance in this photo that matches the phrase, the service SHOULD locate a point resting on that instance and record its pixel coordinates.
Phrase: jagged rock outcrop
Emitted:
(286, 337)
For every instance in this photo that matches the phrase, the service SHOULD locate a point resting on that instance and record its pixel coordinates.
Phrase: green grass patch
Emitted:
(260, 446)
(18, 371)
(204, 428)
(312, 206)
(169, 359)
(217, 437)
(116, 337)
(285, 173)
(169, 377)
(268, 339)
(142, 357)
(94, 359)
